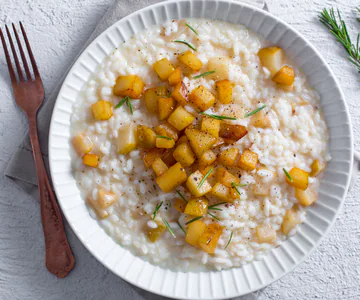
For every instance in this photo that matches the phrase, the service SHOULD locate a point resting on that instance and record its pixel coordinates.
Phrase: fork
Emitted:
(29, 95)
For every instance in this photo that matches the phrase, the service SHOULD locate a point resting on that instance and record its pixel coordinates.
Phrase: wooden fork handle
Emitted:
(59, 257)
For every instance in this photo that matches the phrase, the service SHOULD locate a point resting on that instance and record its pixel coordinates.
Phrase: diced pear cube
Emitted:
(159, 167)
(300, 178)
(202, 98)
(222, 192)
(168, 130)
(173, 177)
(91, 160)
(180, 118)
(232, 133)
(210, 237)
(291, 219)
(229, 157)
(260, 119)
(190, 60)
(248, 160)
(146, 137)
(305, 198)
(272, 58)
(154, 233)
(163, 68)
(151, 97)
(317, 167)
(165, 107)
(221, 66)
(175, 77)
(184, 155)
(200, 141)
(129, 85)
(127, 139)
(211, 126)
(193, 183)
(285, 76)
(180, 93)
(105, 199)
(224, 91)
(102, 110)
(207, 159)
(151, 155)
(179, 205)
(166, 143)
(266, 234)
(197, 207)
(225, 177)
(82, 143)
(194, 231)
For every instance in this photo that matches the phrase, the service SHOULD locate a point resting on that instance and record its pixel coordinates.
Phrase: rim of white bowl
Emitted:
(254, 275)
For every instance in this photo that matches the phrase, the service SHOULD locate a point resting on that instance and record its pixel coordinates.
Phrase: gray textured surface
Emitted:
(57, 30)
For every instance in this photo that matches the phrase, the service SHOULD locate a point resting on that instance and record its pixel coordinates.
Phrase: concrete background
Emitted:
(57, 30)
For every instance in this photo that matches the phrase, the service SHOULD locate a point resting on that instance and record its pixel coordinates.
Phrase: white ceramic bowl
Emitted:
(212, 284)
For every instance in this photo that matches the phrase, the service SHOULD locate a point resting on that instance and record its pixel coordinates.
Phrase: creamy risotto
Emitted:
(197, 144)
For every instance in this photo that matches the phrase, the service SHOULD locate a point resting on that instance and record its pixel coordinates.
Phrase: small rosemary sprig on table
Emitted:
(337, 27)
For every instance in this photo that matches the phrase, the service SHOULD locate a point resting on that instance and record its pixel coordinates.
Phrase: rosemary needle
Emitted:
(236, 185)
(193, 220)
(186, 43)
(214, 205)
(169, 228)
(254, 111)
(164, 137)
(182, 228)
(157, 207)
(181, 195)
(288, 175)
(206, 176)
(192, 29)
(228, 243)
(204, 74)
(215, 217)
(218, 117)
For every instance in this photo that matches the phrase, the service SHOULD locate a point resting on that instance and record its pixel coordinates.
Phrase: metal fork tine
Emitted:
(32, 59)
(8, 60)
(23, 57)
(18, 67)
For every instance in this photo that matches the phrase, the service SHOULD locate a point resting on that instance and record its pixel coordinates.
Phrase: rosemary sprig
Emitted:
(337, 27)
(215, 217)
(182, 228)
(254, 111)
(236, 185)
(204, 74)
(181, 195)
(169, 228)
(193, 220)
(186, 43)
(218, 117)
(192, 29)
(157, 207)
(126, 100)
(217, 204)
(204, 178)
(228, 243)
(288, 175)
(164, 137)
